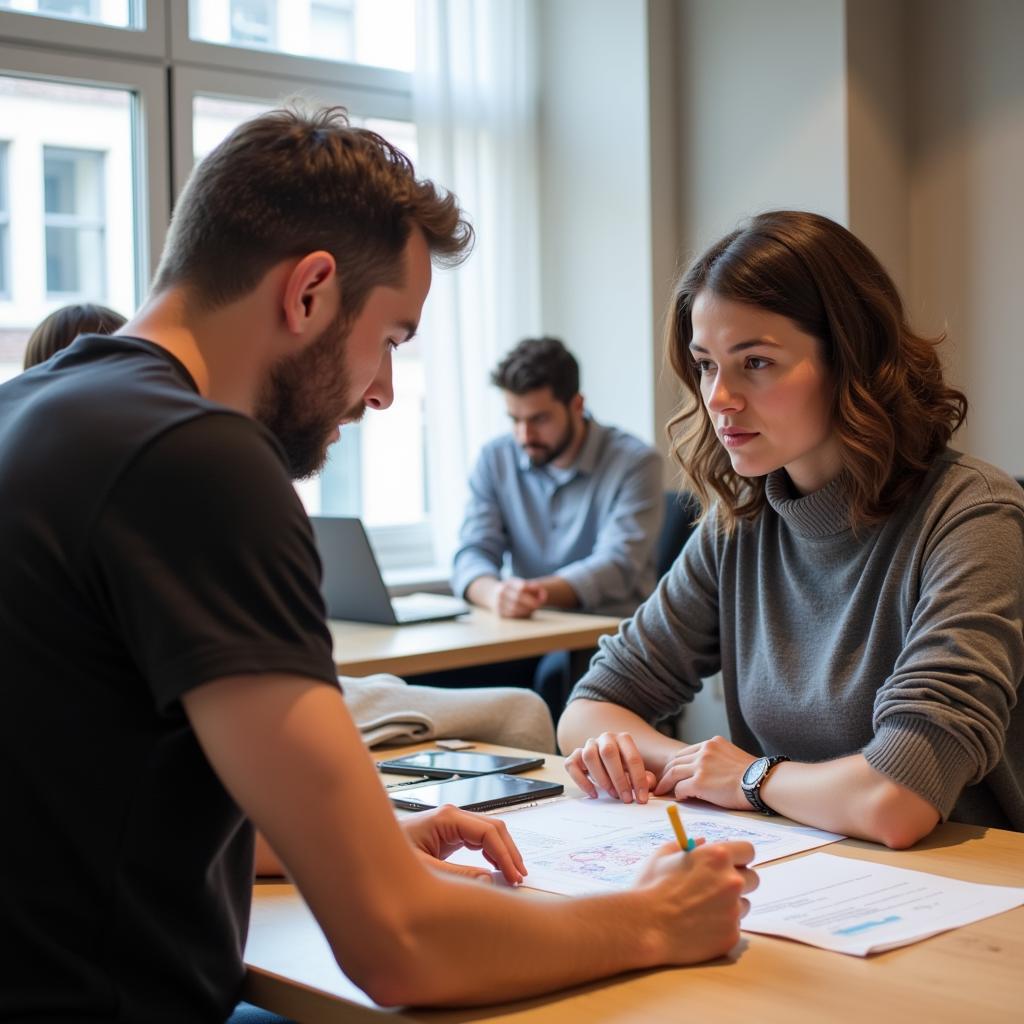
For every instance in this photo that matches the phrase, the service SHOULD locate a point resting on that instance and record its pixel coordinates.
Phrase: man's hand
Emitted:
(611, 762)
(516, 598)
(439, 833)
(700, 898)
(710, 771)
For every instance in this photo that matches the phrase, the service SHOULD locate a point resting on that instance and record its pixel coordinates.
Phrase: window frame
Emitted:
(276, 65)
(86, 36)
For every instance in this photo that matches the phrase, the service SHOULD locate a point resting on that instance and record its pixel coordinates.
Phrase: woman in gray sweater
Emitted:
(859, 584)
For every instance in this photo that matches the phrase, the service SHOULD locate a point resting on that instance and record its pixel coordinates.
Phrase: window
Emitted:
(75, 227)
(332, 29)
(379, 33)
(72, 215)
(103, 12)
(252, 23)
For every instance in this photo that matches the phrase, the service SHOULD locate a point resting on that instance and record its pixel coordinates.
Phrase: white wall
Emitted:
(595, 176)
(967, 207)
(762, 111)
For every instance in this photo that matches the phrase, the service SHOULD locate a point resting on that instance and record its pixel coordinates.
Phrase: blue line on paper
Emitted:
(865, 925)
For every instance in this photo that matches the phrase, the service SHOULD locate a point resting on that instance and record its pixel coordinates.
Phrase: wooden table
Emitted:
(478, 638)
(971, 974)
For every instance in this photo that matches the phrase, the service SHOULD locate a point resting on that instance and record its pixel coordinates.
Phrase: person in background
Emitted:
(63, 325)
(168, 674)
(573, 505)
(858, 583)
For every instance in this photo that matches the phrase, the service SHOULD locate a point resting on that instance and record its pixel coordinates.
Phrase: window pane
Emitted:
(376, 32)
(67, 204)
(117, 13)
(373, 471)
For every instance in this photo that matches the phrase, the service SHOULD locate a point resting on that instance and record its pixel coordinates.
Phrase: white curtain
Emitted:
(476, 117)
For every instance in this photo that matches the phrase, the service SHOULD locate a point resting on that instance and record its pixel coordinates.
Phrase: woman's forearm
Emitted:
(848, 796)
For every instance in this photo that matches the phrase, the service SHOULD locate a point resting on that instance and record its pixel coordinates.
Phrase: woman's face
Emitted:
(767, 391)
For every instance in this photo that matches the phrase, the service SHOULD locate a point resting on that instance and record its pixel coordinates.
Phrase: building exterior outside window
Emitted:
(73, 195)
(67, 204)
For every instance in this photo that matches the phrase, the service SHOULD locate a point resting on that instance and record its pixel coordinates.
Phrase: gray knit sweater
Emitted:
(904, 642)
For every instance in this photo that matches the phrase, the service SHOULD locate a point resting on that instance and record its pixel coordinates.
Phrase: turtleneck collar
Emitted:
(822, 513)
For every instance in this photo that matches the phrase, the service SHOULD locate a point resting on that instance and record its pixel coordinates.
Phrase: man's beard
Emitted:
(299, 402)
(548, 453)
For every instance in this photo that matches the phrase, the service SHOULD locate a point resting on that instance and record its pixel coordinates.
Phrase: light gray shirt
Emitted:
(904, 642)
(594, 524)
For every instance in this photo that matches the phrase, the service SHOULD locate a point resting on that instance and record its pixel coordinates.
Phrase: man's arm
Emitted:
(483, 540)
(625, 539)
(288, 752)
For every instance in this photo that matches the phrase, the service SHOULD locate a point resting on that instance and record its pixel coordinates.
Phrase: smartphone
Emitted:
(444, 764)
(480, 793)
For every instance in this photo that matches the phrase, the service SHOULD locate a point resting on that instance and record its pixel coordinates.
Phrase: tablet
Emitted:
(482, 793)
(443, 764)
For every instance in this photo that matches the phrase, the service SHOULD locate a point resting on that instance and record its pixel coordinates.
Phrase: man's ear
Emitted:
(311, 295)
(576, 404)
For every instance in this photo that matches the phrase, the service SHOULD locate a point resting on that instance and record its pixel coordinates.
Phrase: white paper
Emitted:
(580, 846)
(859, 907)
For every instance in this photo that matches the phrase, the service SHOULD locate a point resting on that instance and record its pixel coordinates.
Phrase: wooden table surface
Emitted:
(971, 974)
(478, 638)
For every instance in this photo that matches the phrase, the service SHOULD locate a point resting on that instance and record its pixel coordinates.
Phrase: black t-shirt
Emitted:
(151, 541)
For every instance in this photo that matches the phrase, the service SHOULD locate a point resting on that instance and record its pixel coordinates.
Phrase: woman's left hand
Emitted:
(710, 771)
(437, 834)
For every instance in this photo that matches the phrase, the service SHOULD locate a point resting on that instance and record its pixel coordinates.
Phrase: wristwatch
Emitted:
(753, 779)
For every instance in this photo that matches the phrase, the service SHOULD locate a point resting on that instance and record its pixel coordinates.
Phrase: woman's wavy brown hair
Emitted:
(892, 409)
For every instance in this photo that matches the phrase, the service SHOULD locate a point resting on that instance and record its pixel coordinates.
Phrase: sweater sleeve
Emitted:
(941, 717)
(655, 663)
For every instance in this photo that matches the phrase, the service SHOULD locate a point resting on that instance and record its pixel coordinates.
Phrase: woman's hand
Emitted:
(439, 833)
(710, 771)
(612, 762)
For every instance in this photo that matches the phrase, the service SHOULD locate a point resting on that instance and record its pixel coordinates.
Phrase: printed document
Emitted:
(859, 907)
(578, 846)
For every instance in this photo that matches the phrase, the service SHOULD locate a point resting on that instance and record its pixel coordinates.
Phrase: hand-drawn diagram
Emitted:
(615, 862)
(581, 846)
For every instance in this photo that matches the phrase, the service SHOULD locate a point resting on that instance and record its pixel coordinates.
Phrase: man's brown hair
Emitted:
(539, 363)
(288, 183)
(893, 412)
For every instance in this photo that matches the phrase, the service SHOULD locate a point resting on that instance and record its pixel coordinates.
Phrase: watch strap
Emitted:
(753, 793)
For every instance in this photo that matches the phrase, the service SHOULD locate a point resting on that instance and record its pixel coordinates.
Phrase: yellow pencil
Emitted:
(677, 827)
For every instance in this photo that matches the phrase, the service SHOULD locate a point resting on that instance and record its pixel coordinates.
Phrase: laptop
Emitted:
(353, 587)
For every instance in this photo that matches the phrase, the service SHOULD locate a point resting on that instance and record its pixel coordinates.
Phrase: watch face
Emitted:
(753, 774)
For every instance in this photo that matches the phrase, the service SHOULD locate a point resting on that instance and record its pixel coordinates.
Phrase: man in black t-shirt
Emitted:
(168, 673)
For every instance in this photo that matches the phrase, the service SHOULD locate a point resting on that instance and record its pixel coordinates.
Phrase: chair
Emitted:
(681, 508)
